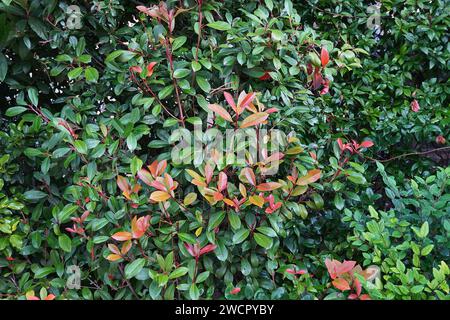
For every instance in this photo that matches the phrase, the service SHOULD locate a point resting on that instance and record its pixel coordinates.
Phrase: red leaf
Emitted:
(150, 67)
(366, 144)
(324, 57)
(223, 181)
(207, 248)
(220, 111)
(230, 101)
(311, 176)
(235, 291)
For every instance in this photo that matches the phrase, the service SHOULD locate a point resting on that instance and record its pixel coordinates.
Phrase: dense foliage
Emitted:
(99, 96)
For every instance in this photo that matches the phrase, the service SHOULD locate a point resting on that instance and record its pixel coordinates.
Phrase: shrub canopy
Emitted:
(99, 198)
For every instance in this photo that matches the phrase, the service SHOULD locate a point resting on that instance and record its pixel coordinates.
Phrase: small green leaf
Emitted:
(240, 236)
(133, 268)
(80, 146)
(65, 243)
(263, 240)
(14, 111)
(75, 73)
(219, 25)
(91, 74)
(203, 84)
(181, 73)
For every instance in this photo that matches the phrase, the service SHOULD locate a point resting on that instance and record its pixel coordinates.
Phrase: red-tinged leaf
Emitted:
(145, 176)
(169, 181)
(254, 119)
(159, 196)
(113, 257)
(230, 101)
(366, 144)
(415, 107)
(249, 175)
(274, 157)
(126, 247)
(341, 284)
(268, 186)
(272, 110)
(158, 185)
(220, 111)
(228, 202)
(235, 291)
(50, 297)
(247, 100)
(222, 182)
(190, 248)
(113, 248)
(352, 296)
(122, 236)
(123, 185)
(331, 267)
(208, 173)
(136, 69)
(218, 196)
(207, 248)
(345, 267)
(311, 176)
(150, 67)
(324, 56)
(32, 298)
(365, 297)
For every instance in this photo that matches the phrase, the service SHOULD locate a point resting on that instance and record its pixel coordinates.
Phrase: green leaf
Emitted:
(80, 146)
(91, 74)
(33, 96)
(240, 236)
(424, 229)
(135, 165)
(219, 25)
(65, 243)
(3, 67)
(43, 272)
(194, 293)
(75, 73)
(181, 73)
(263, 240)
(215, 220)
(196, 66)
(133, 268)
(14, 111)
(179, 272)
(165, 92)
(34, 195)
(267, 231)
(203, 84)
(131, 142)
(338, 201)
(426, 251)
(178, 42)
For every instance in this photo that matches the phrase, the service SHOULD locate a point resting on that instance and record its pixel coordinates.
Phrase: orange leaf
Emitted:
(311, 176)
(159, 196)
(220, 111)
(254, 119)
(257, 201)
(268, 186)
(113, 257)
(122, 236)
(341, 284)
